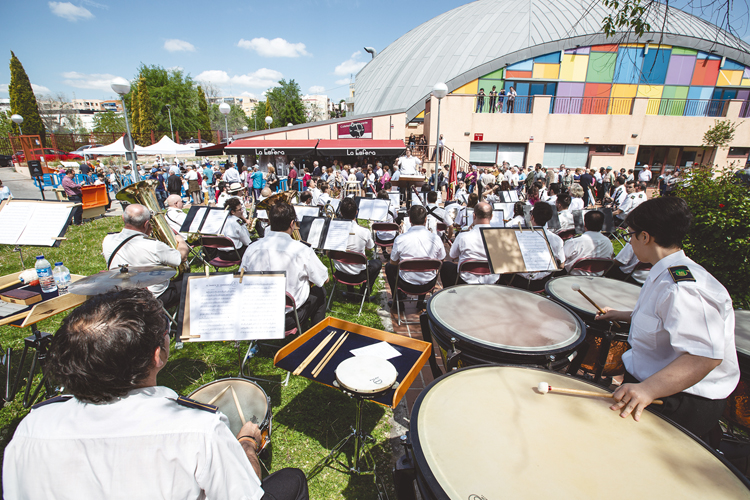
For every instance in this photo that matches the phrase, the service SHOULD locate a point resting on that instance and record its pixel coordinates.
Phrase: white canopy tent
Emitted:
(114, 149)
(167, 146)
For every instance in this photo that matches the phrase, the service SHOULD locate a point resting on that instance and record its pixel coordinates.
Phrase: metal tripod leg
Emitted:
(250, 354)
(40, 342)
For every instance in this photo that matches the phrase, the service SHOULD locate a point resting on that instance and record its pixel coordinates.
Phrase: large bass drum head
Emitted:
(605, 292)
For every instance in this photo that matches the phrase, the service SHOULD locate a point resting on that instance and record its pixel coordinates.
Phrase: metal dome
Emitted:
(477, 38)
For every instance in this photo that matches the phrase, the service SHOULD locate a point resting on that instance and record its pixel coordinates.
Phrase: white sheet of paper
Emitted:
(395, 200)
(219, 308)
(310, 211)
(338, 235)
(507, 208)
(498, 219)
(215, 221)
(512, 196)
(415, 200)
(468, 218)
(380, 350)
(334, 203)
(535, 251)
(45, 224)
(373, 209)
(195, 225)
(13, 219)
(9, 309)
(316, 230)
(261, 214)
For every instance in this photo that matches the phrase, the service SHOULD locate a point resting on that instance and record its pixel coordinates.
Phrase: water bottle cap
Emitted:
(58, 263)
(39, 257)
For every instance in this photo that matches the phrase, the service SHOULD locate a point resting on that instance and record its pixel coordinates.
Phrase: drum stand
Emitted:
(40, 342)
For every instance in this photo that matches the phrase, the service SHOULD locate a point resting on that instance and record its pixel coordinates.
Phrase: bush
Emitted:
(720, 237)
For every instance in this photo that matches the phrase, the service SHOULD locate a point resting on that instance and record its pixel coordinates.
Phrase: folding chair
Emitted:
(384, 226)
(477, 267)
(415, 266)
(348, 258)
(567, 234)
(593, 266)
(217, 242)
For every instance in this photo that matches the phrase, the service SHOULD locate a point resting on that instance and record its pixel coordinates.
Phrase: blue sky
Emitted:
(241, 47)
(245, 47)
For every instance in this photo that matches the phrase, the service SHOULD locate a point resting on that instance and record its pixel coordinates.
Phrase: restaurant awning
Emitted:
(272, 147)
(360, 147)
(215, 150)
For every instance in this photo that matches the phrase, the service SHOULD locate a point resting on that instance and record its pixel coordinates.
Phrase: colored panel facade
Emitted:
(579, 51)
(574, 67)
(681, 51)
(601, 67)
(526, 65)
(729, 78)
(604, 48)
(655, 65)
(569, 98)
(596, 98)
(706, 72)
(469, 88)
(551, 58)
(673, 101)
(730, 65)
(517, 74)
(680, 70)
(546, 71)
(629, 64)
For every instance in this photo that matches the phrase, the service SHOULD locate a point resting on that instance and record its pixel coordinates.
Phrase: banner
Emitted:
(360, 129)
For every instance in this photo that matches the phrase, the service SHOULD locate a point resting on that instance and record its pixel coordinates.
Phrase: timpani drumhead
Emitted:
(742, 331)
(251, 397)
(504, 318)
(366, 374)
(605, 292)
(513, 442)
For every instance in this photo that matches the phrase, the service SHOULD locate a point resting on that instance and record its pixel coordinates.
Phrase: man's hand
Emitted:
(614, 315)
(251, 448)
(632, 398)
(182, 247)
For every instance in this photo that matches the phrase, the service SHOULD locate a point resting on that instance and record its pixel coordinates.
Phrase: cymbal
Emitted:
(125, 277)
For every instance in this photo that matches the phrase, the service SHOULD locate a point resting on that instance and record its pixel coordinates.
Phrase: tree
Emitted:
(109, 121)
(180, 92)
(286, 103)
(135, 119)
(236, 118)
(719, 136)
(22, 99)
(7, 127)
(145, 113)
(204, 120)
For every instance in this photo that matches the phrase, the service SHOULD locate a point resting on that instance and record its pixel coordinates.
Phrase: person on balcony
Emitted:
(480, 101)
(511, 99)
(493, 99)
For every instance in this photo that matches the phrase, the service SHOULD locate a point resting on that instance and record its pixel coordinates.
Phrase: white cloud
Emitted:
(249, 94)
(316, 89)
(95, 81)
(261, 79)
(351, 66)
(176, 68)
(343, 81)
(278, 47)
(175, 45)
(68, 11)
(38, 89)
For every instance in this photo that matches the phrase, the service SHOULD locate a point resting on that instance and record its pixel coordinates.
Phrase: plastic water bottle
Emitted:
(44, 272)
(62, 278)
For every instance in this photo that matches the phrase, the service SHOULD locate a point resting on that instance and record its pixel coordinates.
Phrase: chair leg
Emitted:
(362, 304)
(330, 299)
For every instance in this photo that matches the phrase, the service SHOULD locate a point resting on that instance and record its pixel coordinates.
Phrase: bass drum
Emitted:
(514, 442)
(737, 410)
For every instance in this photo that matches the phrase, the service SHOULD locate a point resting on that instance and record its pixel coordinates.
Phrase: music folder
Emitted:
(306, 211)
(34, 223)
(324, 233)
(517, 250)
(205, 220)
(509, 196)
(372, 209)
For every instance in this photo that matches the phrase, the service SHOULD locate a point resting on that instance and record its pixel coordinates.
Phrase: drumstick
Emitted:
(312, 355)
(544, 388)
(237, 404)
(330, 354)
(16, 282)
(578, 289)
(219, 395)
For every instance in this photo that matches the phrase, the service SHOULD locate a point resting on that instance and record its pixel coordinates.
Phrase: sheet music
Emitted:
(261, 214)
(304, 210)
(373, 209)
(214, 221)
(219, 307)
(195, 226)
(45, 224)
(316, 231)
(498, 218)
(535, 251)
(338, 235)
(334, 203)
(507, 208)
(9, 309)
(510, 196)
(415, 200)
(382, 350)
(13, 219)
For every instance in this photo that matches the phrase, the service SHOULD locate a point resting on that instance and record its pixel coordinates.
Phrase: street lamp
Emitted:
(244, 128)
(440, 90)
(18, 120)
(121, 87)
(224, 109)
(268, 121)
(169, 110)
(288, 124)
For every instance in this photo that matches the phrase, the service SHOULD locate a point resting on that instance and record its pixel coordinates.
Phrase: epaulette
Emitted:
(57, 399)
(191, 403)
(681, 273)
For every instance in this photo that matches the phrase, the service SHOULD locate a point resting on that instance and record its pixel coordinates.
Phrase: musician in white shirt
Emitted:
(360, 239)
(235, 229)
(564, 215)
(590, 245)
(469, 246)
(408, 164)
(174, 215)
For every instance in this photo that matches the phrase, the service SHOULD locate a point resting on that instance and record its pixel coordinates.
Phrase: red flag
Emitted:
(452, 177)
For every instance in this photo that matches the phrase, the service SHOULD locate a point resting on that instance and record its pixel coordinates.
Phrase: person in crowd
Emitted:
(360, 239)
(645, 174)
(256, 180)
(5, 193)
(469, 245)
(74, 194)
(235, 228)
(564, 215)
(512, 94)
(636, 194)
(587, 181)
(292, 177)
(194, 186)
(174, 183)
(175, 215)
(480, 101)
(590, 245)
(576, 195)
(435, 214)
(231, 174)
(385, 237)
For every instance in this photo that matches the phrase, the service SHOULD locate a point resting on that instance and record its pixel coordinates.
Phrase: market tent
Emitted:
(116, 148)
(167, 146)
(215, 150)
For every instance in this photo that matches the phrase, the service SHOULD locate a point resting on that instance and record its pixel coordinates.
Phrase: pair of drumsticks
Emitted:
(236, 401)
(326, 358)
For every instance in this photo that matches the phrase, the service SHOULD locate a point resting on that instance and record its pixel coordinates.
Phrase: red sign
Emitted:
(478, 137)
(360, 129)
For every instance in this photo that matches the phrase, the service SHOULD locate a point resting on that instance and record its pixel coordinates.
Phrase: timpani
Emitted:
(480, 324)
(737, 410)
(485, 432)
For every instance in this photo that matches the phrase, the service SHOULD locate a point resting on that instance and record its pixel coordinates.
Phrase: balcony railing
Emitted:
(522, 104)
(745, 110)
(592, 105)
(688, 107)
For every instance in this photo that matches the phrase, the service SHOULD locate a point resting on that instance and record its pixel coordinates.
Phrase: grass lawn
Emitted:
(308, 418)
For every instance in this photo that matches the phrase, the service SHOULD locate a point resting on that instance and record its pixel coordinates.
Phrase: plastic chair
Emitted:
(477, 267)
(567, 234)
(348, 258)
(598, 266)
(217, 242)
(415, 266)
(384, 226)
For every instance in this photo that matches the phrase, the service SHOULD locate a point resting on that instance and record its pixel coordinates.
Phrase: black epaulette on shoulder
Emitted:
(191, 403)
(681, 273)
(57, 399)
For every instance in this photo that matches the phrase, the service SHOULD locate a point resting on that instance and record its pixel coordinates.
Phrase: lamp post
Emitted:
(440, 90)
(224, 109)
(169, 110)
(268, 121)
(244, 128)
(122, 87)
(18, 120)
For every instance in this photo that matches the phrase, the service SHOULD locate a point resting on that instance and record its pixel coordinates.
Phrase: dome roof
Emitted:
(470, 41)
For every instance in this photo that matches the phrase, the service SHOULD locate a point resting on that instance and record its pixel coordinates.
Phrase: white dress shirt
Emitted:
(576, 204)
(141, 251)
(417, 243)
(277, 251)
(619, 195)
(323, 199)
(143, 445)
(566, 220)
(628, 260)
(236, 231)
(385, 236)
(469, 246)
(408, 165)
(231, 175)
(673, 318)
(432, 221)
(632, 201)
(589, 245)
(517, 221)
(644, 175)
(360, 238)
(175, 218)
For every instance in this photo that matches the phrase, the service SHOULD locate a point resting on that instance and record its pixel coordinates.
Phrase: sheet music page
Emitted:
(535, 251)
(316, 230)
(45, 224)
(214, 221)
(395, 200)
(338, 235)
(415, 200)
(510, 196)
(382, 350)
(334, 203)
(13, 220)
(373, 209)
(262, 316)
(498, 218)
(311, 211)
(195, 225)
(261, 214)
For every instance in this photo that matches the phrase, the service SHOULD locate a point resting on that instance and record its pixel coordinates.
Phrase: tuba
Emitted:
(144, 193)
(281, 196)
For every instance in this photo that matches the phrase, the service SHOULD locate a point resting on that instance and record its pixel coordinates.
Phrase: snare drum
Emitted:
(514, 442)
(500, 324)
(366, 376)
(239, 400)
(738, 404)
(605, 292)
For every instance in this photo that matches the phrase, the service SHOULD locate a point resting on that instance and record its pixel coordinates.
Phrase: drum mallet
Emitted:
(601, 311)
(544, 388)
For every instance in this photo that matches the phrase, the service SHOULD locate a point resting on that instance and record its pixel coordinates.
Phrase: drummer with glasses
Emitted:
(119, 433)
(682, 327)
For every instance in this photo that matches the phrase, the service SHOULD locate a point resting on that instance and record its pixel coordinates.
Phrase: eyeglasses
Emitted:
(630, 234)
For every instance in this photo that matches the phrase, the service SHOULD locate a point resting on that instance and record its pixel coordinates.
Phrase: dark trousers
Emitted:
(449, 273)
(312, 312)
(171, 296)
(517, 281)
(285, 484)
(391, 272)
(372, 271)
(77, 211)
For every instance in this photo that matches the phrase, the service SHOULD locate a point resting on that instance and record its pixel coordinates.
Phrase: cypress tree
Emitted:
(204, 122)
(23, 101)
(135, 124)
(268, 110)
(145, 112)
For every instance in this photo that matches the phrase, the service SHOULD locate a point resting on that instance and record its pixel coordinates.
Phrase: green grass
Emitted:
(308, 418)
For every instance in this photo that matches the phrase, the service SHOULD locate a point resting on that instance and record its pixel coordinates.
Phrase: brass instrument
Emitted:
(328, 211)
(285, 196)
(144, 193)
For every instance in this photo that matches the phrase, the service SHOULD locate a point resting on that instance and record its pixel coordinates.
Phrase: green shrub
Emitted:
(720, 237)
